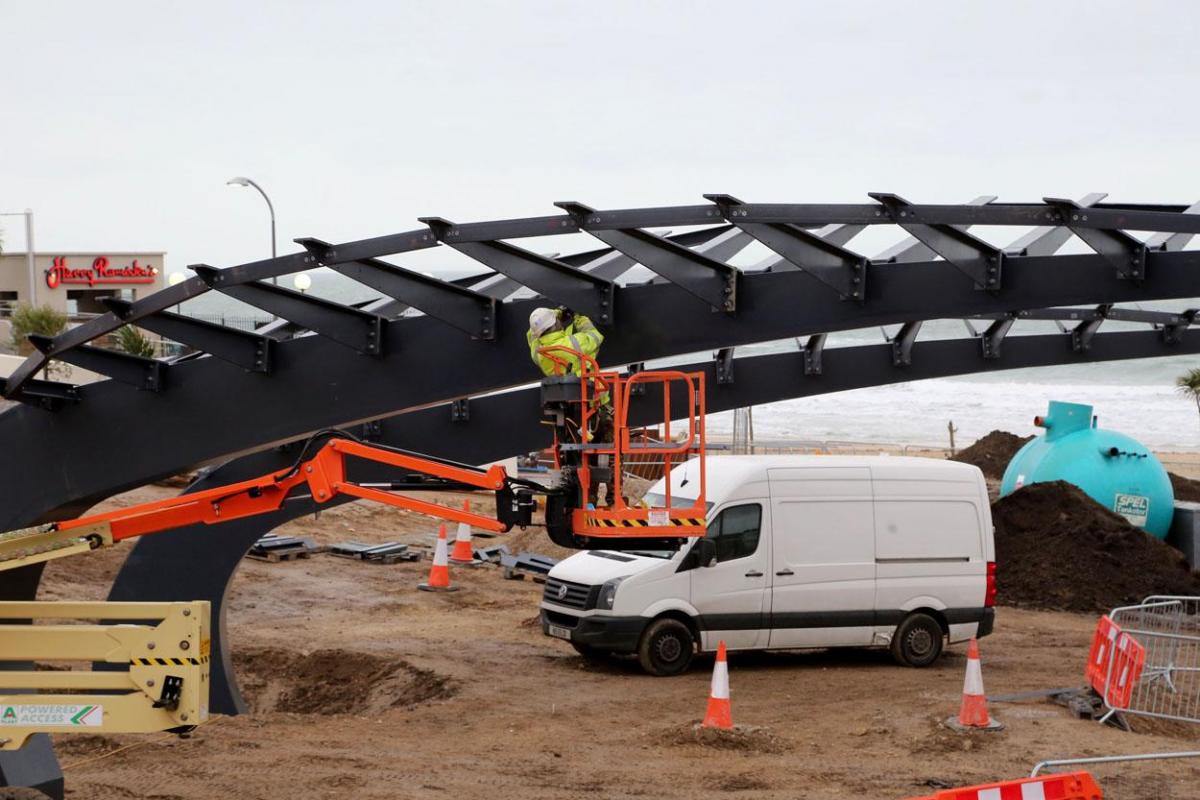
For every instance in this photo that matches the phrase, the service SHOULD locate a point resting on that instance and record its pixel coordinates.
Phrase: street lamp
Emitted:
(28, 215)
(302, 282)
(239, 181)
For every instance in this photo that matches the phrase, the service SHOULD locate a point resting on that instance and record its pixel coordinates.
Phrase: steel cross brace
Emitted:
(555, 280)
(358, 330)
(714, 282)
(250, 351)
(902, 343)
(1123, 251)
(975, 258)
(143, 373)
(836, 267)
(458, 306)
(49, 395)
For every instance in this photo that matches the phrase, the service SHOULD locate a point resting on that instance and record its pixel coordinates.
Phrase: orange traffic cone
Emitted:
(462, 553)
(439, 573)
(973, 715)
(719, 713)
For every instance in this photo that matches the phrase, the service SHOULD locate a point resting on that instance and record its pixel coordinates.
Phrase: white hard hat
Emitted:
(542, 320)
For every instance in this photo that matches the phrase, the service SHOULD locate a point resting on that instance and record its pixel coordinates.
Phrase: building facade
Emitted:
(75, 282)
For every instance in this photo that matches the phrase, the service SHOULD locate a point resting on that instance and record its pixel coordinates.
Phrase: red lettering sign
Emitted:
(100, 272)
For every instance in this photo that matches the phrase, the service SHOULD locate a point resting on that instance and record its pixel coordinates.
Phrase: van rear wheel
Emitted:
(666, 648)
(918, 641)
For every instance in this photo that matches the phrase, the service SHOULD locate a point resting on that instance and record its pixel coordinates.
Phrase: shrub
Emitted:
(131, 340)
(27, 319)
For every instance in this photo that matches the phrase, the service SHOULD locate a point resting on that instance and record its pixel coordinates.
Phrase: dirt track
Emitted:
(364, 687)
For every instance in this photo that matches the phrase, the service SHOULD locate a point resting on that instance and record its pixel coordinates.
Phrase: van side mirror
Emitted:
(706, 553)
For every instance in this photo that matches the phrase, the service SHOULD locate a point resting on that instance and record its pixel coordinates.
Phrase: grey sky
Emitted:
(122, 120)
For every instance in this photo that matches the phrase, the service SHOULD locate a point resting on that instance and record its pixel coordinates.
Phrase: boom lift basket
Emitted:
(578, 401)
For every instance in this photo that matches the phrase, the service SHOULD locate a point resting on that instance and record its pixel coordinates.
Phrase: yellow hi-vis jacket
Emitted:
(581, 335)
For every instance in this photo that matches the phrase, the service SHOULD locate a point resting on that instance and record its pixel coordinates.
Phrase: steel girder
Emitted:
(210, 409)
(161, 567)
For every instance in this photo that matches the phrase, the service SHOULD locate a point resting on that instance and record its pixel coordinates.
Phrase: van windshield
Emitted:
(656, 500)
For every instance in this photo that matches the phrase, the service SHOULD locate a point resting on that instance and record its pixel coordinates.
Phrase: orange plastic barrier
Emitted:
(1102, 642)
(1129, 657)
(1067, 786)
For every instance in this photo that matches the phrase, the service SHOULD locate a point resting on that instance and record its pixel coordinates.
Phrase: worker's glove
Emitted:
(565, 316)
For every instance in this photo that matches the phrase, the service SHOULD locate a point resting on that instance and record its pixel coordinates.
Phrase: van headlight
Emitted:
(608, 593)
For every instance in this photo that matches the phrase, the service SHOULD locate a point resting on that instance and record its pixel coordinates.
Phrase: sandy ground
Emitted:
(364, 687)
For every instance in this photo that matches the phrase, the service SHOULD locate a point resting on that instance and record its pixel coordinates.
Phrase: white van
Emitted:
(801, 552)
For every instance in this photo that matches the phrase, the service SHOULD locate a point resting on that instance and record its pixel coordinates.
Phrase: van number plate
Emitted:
(659, 518)
(559, 632)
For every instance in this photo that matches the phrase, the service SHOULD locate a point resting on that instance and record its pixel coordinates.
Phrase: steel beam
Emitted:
(712, 281)
(46, 395)
(902, 343)
(457, 306)
(910, 249)
(1046, 240)
(831, 264)
(137, 371)
(557, 281)
(981, 262)
(250, 351)
(321, 388)
(359, 330)
(1123, 251)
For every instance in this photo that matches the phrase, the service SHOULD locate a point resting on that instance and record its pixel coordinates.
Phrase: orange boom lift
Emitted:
(573, 403)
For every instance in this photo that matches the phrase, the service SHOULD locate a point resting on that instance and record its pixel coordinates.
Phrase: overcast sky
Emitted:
(123, 120)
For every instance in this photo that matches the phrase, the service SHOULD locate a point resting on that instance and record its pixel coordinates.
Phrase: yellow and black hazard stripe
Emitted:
(641, 523)
(168, 662)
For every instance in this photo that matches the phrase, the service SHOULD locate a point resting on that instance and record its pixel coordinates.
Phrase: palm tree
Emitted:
(1188, 385)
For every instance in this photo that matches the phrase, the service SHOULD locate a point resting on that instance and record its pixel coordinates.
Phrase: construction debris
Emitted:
(386, 553)
(532, 564)
(275, 548)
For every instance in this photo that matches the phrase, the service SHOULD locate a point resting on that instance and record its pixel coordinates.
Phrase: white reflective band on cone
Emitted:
(464, 532)
(973, 683)
(441, 556)
(720, 681)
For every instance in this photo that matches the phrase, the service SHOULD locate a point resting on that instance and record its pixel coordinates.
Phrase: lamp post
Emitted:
(302, 282)
(28, 214)
(239, 181)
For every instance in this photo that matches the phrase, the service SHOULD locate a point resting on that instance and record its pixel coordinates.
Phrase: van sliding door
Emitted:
(823, 557)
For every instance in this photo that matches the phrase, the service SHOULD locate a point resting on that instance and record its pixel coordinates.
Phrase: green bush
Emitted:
(27, 319)
(133, 341)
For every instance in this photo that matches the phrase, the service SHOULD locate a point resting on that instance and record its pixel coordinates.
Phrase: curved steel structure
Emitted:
(327, 365)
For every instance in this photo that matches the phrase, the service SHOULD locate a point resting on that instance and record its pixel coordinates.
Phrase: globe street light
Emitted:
(302, 282)
(239, 181)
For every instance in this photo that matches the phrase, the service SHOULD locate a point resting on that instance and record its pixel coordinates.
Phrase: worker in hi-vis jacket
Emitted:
(561, 326)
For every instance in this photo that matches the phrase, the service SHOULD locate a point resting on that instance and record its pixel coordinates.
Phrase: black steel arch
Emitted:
(80, 444)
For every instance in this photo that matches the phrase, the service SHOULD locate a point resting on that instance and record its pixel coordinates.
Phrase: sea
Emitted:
(1138, 398)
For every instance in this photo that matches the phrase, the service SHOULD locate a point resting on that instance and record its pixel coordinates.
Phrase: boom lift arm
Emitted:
(323, 474)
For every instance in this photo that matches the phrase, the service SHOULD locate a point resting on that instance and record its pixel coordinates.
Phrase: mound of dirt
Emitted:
(334, 682)
(1186, 489)
(1056, 548)
(992, 453)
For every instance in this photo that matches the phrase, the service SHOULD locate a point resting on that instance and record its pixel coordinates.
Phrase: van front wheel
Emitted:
(666, 648)
(918, 641)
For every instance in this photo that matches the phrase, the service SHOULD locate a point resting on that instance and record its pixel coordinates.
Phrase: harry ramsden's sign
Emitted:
(101, 271)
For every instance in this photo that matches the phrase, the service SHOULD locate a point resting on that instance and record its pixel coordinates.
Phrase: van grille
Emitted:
(578, 595)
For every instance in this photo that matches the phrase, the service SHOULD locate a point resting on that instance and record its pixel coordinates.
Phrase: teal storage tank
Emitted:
(1116, 471)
